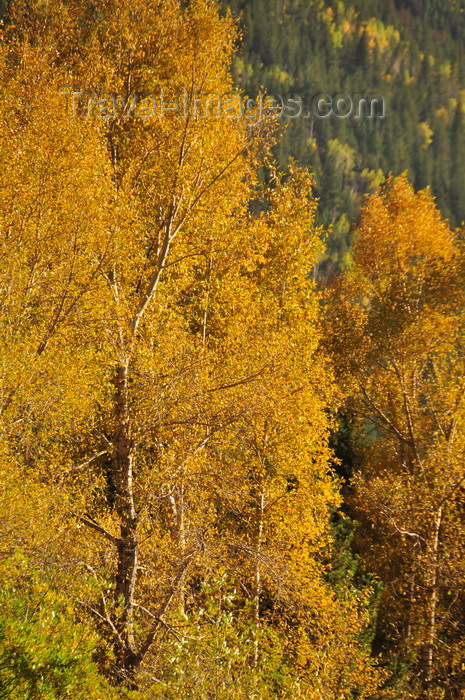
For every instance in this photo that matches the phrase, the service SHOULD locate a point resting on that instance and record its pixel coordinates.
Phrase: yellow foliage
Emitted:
(395, 330)
(163, 392)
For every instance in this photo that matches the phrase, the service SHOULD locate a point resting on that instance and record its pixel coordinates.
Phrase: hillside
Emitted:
(409, 52)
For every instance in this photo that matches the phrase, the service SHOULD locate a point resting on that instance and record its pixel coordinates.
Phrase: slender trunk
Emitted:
(128, 544)
(207, 295)
(433, 588)
(180, 521)
(181, 535)
(410, 614)
(257, 573)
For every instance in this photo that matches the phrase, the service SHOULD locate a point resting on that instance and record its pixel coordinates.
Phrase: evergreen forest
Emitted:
(410, 52)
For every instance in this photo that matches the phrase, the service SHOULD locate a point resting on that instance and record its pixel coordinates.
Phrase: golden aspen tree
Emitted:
(54, 230)
(161, 344)
(395, 329)
(281, 492)
(167, 177)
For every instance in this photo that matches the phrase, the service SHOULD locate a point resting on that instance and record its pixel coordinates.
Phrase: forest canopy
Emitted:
(218, 480)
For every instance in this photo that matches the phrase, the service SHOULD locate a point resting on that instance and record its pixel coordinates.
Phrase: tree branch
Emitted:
(94, 525)
(169, 595)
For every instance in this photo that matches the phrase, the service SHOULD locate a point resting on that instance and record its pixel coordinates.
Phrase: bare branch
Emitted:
(86, 462)
(106, 620)
(94, 525)
(169, 595)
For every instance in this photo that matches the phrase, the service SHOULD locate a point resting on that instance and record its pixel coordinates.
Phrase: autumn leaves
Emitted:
(395, 331)
(165, 374)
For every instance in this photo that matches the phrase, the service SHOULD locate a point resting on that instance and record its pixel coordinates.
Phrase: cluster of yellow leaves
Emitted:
(396, 332)
(161, 375)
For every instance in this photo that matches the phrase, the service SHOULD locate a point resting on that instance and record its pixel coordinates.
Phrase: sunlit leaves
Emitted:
(395, 329)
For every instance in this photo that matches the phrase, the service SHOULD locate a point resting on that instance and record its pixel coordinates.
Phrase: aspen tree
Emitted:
(396, 333)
